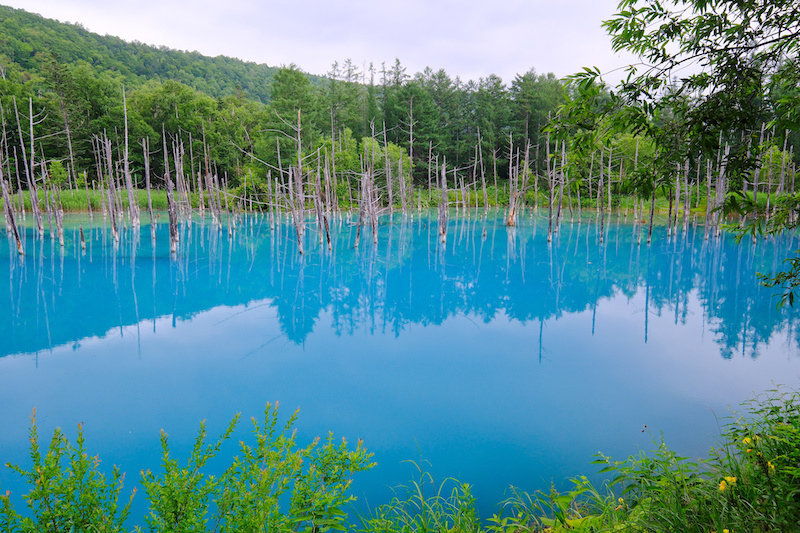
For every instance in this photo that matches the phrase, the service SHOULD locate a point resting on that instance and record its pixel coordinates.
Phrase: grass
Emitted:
(76, 201)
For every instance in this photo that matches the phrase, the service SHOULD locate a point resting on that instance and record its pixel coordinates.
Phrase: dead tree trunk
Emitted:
(387, 168)
(171, 208)
(10, 221)
(88, 198)
(29, 172)
(443, 204)
(132, 205)
(601, 195)
(550, 189)
(146, 151)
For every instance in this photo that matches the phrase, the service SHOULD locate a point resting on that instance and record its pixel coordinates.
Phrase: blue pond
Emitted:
(496, 358)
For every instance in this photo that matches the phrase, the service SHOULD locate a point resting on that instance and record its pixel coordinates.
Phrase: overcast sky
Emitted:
(468, 38)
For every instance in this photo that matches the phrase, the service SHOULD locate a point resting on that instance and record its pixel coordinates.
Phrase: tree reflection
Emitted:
(57, 297)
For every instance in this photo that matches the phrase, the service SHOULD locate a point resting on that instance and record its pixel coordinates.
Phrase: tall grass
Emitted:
(76, 202)
(448, 507)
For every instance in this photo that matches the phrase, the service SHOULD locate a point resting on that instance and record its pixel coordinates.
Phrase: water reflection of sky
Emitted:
(500, 360)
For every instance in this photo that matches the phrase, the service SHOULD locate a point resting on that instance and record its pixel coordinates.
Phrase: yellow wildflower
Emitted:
(621, 500)
(730, 479)
(722, 485)
(749, 450)
(771, 466)
(726, 531)
(747, 440)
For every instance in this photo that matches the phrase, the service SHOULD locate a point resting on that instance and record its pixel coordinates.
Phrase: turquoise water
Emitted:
(496, 358)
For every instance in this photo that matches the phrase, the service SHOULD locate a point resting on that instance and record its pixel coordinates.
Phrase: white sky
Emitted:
(468, 38)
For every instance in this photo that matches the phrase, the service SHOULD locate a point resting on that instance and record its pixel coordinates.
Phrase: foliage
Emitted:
(69, 493)
(58, 175)
(730, 49)
(715, 74)
(234, 111)
(249, 494)
(788, 280)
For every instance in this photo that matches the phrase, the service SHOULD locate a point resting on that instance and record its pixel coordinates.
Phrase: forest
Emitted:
(76, 80)
(82, 111)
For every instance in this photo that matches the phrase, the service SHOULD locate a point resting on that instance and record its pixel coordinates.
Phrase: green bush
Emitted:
(69, 494)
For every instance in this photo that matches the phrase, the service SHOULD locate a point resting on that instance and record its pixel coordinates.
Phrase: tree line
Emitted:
(537, 138)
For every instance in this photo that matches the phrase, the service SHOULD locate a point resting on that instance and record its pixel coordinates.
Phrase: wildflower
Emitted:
(770, 466)
(722, 485)
(749, 450)
(730, 479)
(621, 500)
(726, 531)
(619, 507)
(747, 440)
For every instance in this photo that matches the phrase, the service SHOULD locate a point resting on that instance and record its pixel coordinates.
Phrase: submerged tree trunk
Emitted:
(146, 150)
(601, 195)
(443, 204)
(652, 212)
(132, 206)
(10, 221)
(171, 208)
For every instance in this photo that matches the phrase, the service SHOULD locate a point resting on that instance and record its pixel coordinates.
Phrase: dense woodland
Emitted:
(80, 110)
(76, 79)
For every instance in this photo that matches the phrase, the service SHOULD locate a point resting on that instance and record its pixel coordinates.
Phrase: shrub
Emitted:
(69, 494)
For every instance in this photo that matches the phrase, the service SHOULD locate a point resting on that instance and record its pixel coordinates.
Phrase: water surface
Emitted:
(497, 358)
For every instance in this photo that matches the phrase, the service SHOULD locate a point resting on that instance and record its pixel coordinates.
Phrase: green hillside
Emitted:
(28, 42)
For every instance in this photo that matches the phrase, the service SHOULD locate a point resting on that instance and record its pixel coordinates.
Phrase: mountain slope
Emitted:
(28, 41)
